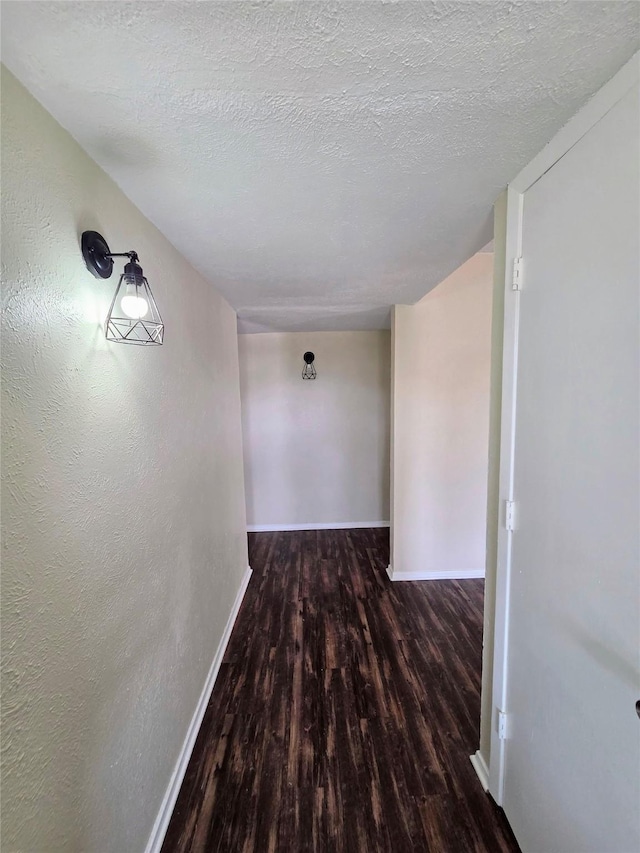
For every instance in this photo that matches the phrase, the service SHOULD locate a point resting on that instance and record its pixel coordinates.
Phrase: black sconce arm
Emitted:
(133, 256)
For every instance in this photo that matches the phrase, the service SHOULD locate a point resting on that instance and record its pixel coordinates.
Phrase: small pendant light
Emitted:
(133, 317)
(308, 371)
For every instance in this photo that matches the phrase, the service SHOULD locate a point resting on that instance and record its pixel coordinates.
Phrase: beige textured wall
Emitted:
(441, 424)
(123, 519)
(316, 452)
(493, 481)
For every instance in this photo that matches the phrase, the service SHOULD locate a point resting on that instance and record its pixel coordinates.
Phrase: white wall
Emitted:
(441, 355)
(316, 452)
(123, 520)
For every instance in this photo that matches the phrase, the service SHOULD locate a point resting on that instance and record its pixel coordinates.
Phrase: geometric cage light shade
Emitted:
(133, 317)
(309, 370)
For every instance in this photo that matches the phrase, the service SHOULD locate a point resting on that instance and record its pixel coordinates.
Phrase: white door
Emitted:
(572, 758)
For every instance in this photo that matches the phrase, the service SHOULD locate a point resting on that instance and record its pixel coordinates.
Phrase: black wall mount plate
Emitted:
(95, 252)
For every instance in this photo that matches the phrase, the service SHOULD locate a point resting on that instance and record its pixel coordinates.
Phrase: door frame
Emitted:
(590, 114)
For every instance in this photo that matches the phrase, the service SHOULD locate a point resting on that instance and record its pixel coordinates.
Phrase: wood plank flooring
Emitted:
(344, 713)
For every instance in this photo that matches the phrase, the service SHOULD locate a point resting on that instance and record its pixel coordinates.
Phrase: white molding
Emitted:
(480, 766)
(513, 249)
(589, 115)
(425, 575)
(312, 525)
(173, 789)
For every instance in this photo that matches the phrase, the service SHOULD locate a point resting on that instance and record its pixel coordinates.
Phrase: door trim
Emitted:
(590, 114)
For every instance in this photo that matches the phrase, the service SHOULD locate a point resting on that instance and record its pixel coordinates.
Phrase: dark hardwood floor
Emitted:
(344, 713)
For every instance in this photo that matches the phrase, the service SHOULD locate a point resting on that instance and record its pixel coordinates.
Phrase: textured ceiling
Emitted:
(317, 162)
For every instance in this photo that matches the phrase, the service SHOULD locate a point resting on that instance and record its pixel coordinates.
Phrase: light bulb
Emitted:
(132, 305)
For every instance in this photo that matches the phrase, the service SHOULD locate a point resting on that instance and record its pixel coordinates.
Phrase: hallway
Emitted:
(344, 712)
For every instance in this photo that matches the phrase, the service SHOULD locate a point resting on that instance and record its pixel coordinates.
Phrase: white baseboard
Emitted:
(340, 525)
(480, 766)
(171, 795)
(426, 575)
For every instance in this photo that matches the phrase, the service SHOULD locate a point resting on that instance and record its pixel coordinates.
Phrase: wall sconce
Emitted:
(133, 317)
(308, 371)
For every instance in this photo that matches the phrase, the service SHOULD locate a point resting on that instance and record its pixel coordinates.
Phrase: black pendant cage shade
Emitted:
(133, 317)
(145, 326)
(309, 370)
